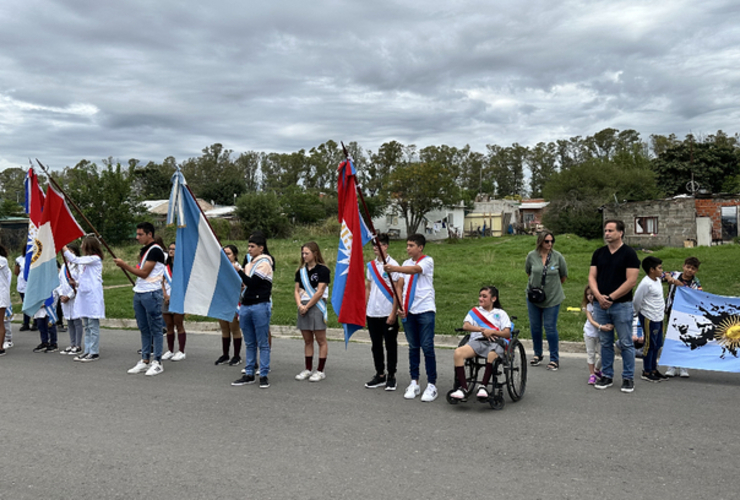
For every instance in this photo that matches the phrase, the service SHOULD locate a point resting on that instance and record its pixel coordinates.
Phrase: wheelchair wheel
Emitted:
(497, 402)
(516, 371)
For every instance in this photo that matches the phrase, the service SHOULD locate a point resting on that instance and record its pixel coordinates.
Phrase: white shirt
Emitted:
(5, 278)
(20, 285)
(648, 299)
(65, 289)
(590, 330)
(497, 317)
(89, 302)
(153, 282)
(378, 306)
(424, 300)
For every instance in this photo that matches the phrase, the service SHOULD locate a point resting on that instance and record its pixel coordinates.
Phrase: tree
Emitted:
(12, 185)
(214, 176)
(507, 168)
(262, 211)
(542, 160)
(153, 181)
(248, 165)
(418, 188)
(302, 207)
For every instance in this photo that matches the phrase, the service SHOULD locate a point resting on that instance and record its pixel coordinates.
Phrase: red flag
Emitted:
(64, 227)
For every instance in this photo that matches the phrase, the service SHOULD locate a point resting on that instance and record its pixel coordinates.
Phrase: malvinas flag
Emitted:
(204, 281)
(348, 292)
(57, 228)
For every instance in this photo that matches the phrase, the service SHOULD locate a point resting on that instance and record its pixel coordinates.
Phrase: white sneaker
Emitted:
(168, 355)
(430, 394)
(683, 372)
(671, 372)
(7, 345)
(458, 394)
(155, 369)
(482, 393)
(317, 376)
(140, 367)
(412, 390)
(178, 357)
(303, 375)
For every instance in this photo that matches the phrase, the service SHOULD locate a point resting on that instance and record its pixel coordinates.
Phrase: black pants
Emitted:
(381, 331)
(26, 318)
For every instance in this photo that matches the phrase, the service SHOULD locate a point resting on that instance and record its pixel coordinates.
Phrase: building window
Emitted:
(646, 225)
(528, 217)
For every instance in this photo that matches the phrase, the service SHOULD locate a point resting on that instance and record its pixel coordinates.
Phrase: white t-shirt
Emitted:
(20, 284)
(648, 299)
(5, 278)
(378, 306)
(590, 330)
(497, 317)
(424, 299)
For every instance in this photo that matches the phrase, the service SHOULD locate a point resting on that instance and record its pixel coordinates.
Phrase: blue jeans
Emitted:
(653, 335)
(148, 312)
(419, 330)
(254, 321)
(619, 315)
(92, 335)
(47, 331)
(547, 318)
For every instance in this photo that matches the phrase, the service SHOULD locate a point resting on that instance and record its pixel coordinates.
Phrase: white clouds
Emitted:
(152, 79)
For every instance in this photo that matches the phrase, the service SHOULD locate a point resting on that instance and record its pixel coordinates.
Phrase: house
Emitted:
(437, 224)
(680, 221)
(491, 218)
(530, 214)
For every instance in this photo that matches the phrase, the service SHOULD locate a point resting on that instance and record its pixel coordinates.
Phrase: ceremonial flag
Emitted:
(34, 204)
(58, 227)
(703, 332)
(204, 282)
(348, 292)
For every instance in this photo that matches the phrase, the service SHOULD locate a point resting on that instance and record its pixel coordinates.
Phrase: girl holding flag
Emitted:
(311, 292)
(487, 323)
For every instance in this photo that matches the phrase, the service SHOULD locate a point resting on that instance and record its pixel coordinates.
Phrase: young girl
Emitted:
(591, 334)
(487, 322)
(172, 320)
(90, 304)
(68, 276)
(230, 329)
(311, 292)
(4, 294)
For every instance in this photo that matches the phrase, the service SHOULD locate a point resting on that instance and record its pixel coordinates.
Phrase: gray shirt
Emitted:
(556, 269)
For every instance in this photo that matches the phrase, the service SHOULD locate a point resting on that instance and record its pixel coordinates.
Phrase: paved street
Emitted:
(72, 430)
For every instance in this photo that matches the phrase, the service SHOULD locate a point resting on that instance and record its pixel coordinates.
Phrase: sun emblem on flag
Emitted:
(345, 249)
(727, 333)
(37, 248)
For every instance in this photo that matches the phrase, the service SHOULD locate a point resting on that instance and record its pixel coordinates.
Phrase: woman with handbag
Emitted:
(547, 272)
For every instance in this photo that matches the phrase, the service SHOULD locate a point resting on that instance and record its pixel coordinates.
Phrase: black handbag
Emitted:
(536, 295)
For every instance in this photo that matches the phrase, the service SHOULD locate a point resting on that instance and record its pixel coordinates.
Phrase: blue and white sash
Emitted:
(411, 290)
(380, 281)
(480, 320)
(321, 304)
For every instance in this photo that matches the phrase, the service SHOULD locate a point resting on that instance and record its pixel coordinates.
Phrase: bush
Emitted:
(262, 211)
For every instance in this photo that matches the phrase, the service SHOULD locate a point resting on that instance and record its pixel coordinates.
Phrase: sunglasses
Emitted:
(549, 241)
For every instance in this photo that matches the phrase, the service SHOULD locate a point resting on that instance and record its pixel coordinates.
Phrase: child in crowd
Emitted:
(230, 329)
(69, 274)
(47, 327)
(172, 320)
(686, 278)
(5, 278)
(90, 304)
(591, 331)
(418, 312)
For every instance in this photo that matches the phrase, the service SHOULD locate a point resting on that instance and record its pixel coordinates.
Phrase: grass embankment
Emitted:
(461, 268)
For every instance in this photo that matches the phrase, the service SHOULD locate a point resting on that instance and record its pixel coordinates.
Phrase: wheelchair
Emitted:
(509, 370)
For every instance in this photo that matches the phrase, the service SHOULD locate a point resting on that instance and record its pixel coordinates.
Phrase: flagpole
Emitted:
(371, 227)
(74, 205)
(204, 215)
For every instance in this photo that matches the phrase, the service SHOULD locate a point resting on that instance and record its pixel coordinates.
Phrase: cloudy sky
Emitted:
(148, 79)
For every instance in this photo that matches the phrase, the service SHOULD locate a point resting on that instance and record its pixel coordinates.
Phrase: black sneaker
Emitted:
(603, 383)
(222, 360)
(41, 347)
(34, 328)
(628, 385)
(377, 381)
(24, 328)
(90, 357)
(660, 375)
(236, 360)
(390, 385)
(2, 352)
(52, 348)
(645, 376)
(264, 383)
(245, 380)
(650, 377)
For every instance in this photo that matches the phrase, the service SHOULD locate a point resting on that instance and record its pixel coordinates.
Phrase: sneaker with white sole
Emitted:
(90, 358)
(167, 355)
(155, 369)
(482, 393)
(683, 373)
(303, 375)
(430, 394)
(458, 394)
(412, 390)
(390, 384)
(671, 372)
(317, 376)
(264, 383)
(140, 367)
(7, 345)
(179, 356)
(80, 357)
(66, 351)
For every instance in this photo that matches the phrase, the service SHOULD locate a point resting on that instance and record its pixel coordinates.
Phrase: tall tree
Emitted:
(542, 160)
(11, 183)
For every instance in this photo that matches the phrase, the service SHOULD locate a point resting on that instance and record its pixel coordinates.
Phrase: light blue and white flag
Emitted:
(703, 332)
(204, 282)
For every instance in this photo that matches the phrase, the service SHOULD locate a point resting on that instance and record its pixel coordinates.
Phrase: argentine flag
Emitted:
(203, 280)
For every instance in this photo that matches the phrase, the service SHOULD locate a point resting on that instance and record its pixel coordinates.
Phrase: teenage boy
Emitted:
(686, 278)
(418, 311)
(381, 311)
(148, 298)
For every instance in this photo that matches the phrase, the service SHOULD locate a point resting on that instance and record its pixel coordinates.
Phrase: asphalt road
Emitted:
(72, 430)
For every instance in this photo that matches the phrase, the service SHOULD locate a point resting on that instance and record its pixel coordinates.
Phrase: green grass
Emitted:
(461, 268)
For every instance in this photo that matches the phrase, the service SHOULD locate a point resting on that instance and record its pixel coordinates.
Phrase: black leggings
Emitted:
(380, 331)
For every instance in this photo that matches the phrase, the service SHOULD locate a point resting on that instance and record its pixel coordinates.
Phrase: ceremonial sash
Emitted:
(321, 304)
(411, 289)
(379, 281)
(149, 278)
(483, 322)
(168, 279)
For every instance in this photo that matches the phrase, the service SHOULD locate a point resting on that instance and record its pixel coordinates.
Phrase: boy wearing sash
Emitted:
(418, 312)
(486, 323)
(148, 298)
(381, 314)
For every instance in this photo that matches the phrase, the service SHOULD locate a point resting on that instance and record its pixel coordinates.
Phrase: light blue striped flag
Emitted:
(204, 282)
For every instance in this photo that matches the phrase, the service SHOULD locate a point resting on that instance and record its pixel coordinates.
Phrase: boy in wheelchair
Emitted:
(490, 329)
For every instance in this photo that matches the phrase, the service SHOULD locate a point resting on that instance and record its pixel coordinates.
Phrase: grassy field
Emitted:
(461, 268)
